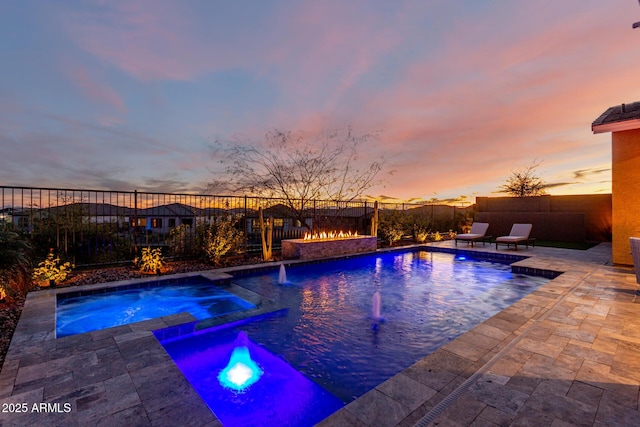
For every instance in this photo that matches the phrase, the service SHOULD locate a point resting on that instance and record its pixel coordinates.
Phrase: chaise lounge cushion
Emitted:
(519, 233)
(478, 231)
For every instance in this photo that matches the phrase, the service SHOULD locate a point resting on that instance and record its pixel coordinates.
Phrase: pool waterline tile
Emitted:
(36, 329)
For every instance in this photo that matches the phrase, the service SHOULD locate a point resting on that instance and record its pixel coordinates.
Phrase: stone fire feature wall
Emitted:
(312, 249)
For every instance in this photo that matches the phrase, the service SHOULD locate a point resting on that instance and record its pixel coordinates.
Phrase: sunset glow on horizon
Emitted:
(131, 95)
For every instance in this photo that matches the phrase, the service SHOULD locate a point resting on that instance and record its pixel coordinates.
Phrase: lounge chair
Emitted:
(476, 234)
(519, 234)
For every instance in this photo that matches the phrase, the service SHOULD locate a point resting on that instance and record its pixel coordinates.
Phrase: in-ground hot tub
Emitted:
(322, 248)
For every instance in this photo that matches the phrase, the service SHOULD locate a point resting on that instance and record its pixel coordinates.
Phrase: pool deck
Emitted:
(567, 354)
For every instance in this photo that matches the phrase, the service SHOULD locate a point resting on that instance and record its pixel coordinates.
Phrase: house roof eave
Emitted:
(616, 126)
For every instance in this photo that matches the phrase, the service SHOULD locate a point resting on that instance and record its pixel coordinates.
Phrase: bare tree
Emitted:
(525, 182)
(298, 169)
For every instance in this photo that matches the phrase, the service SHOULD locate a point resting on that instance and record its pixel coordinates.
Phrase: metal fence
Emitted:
(92, 227)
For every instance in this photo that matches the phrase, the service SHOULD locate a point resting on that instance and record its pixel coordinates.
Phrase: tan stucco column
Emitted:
(625, 189)
(623, 121)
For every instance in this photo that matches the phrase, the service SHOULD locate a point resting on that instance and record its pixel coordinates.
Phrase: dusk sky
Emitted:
(125, 95)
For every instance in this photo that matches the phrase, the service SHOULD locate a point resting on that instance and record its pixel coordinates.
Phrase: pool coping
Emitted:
(122, 375)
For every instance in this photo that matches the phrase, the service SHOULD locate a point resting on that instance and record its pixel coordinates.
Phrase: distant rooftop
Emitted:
(618, 118)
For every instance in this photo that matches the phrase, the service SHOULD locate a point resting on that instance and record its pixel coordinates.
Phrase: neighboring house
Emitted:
(25, 219)
(161, 219)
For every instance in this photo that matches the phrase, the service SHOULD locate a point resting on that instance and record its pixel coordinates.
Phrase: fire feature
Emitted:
(324, 235)
(327, 245)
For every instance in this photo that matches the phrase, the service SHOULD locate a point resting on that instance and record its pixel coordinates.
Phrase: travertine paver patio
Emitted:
(567, 354)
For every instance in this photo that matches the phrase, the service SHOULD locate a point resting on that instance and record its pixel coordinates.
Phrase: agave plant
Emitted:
(15, 264)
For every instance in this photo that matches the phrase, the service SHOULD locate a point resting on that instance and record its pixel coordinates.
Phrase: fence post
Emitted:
(246, 235)
(135, 222)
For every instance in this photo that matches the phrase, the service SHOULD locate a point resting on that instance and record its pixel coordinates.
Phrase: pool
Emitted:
(343, 337)
(105, 308)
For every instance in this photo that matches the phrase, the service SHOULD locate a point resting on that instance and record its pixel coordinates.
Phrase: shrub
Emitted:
(151, 260)
(15, 265)
(392, 226)
(52, 270)
(179, 239)
(220, 237)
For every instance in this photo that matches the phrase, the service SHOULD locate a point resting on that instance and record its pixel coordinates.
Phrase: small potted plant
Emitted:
(150, 262)
(51, 270)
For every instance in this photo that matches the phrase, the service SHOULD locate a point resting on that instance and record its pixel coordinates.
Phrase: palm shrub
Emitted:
(15, 265)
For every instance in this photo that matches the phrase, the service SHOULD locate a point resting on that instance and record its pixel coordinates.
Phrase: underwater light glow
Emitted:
(462, 258)
(241, 372)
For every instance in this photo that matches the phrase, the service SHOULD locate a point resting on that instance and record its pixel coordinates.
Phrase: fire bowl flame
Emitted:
(327, 235)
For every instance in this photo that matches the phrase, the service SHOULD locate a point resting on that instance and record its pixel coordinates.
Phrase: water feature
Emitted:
(375, 312)
(242, 371)
(282, 275)
(246, 385)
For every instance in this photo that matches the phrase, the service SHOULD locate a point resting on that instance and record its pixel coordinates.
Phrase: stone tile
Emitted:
(585, 393)
(494, 416)
(136, 334)
(569, 362)
(465, 350)
(497, 396)
(130, 417)
(544, 367)
(478, 340)
(563, 408)
(445, 360)
(407, 391)
(341, 418)
(621, 395)
(453, 385)
(539, 347)
(54, 367)
(377, 409)
(192, 411)
(414, 417)
(613, 414)
(161, 386)
(523, 383)
(463, 411)
(119, 394)
(576, 334)
(491, 331)
(110, 365)
(148, 325)
(435, 379)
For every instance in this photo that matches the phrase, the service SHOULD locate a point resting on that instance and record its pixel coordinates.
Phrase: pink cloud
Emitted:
(147, 39)
(98, 91)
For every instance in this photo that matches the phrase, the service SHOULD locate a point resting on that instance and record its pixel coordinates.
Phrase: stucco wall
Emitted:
(576, 218)
(625, 159)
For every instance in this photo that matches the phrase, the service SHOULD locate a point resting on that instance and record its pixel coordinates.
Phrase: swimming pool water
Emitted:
(196, 295)
(427, 299)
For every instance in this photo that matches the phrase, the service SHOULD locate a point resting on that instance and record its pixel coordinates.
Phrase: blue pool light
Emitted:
(281, 396)
(242, 371)
(462, 258)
